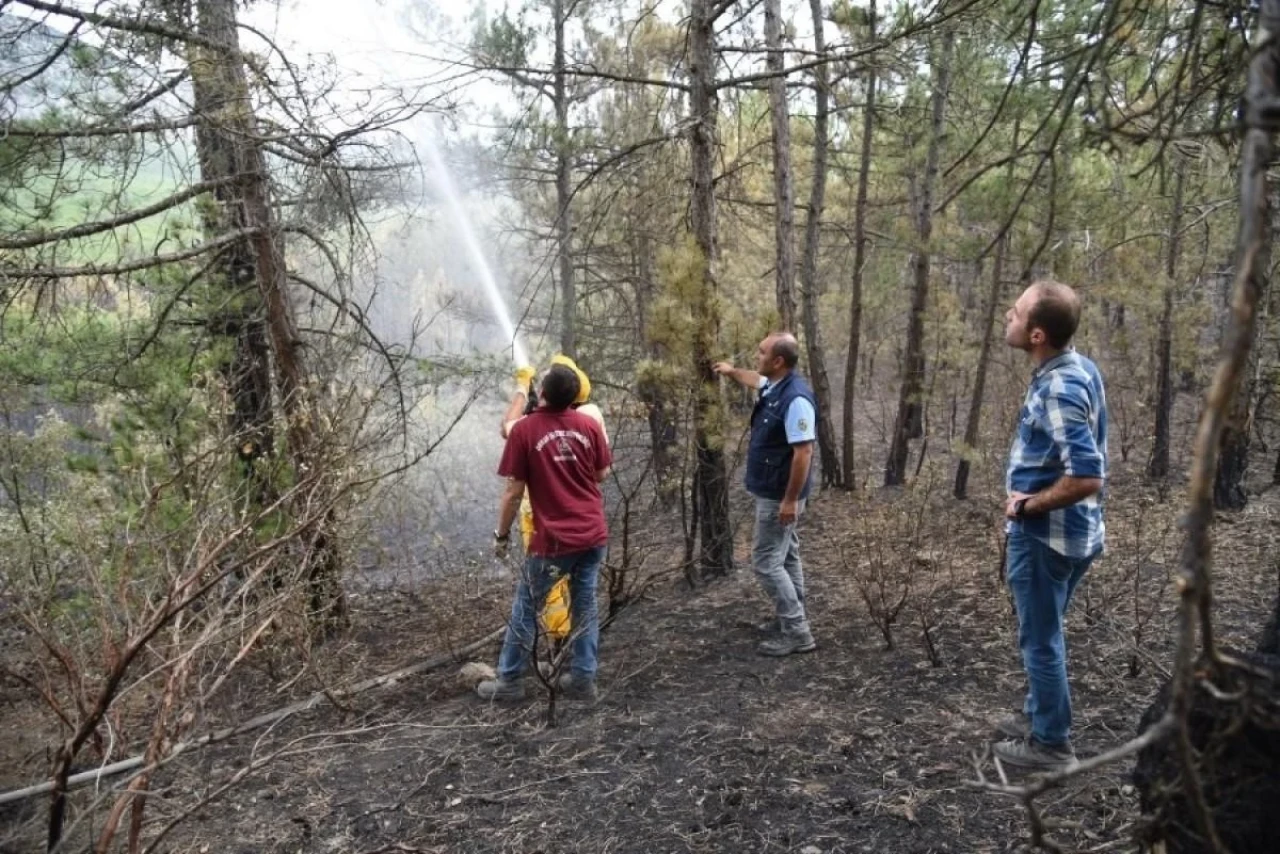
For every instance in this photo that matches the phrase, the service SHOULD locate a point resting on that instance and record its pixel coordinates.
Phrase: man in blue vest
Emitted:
(779, 460)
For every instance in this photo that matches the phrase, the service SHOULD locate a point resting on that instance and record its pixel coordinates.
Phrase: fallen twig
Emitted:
(258, 722)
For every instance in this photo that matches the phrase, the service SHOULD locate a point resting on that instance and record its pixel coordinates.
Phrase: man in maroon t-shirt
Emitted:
(561, 456)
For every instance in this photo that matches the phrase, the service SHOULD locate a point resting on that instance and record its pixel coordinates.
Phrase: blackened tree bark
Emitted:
(973, 422)
(1234, 449)
(783, 184)
(1158, 466)
(248, 373)
(711, 482)
(828, 455)
(910, 418)
(859, 260)
(564, 189)
(228, 131)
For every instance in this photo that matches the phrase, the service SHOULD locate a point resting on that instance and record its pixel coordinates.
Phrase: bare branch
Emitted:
(49, 60)
(571, 71)
(140, 25)
(38, 238)
(1157, 732)
(316, 699)
(163, 89)
(87, 131)
(920, 27)
(147, 263)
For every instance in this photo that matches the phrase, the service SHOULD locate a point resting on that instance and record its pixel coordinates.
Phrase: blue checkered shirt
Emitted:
(1062, 430)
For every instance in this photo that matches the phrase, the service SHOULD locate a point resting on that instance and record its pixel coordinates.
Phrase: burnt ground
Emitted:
(697, 744)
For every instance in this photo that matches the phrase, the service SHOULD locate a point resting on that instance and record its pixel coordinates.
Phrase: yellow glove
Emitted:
(524, 377)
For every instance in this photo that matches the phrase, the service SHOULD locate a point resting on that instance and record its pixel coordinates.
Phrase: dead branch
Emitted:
(88, 131)
(151, 261)
(40, 237)
(139, 24)
(1027, 794)
(125, 765)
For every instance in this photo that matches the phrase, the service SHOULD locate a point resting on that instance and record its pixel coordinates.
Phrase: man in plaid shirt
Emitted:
(1057, 467)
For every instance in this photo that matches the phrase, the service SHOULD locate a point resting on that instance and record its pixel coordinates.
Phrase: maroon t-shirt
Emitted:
(557, 455)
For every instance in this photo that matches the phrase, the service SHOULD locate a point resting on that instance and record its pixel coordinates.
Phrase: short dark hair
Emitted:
(1056, 313)
(787, 348)
(560, 388)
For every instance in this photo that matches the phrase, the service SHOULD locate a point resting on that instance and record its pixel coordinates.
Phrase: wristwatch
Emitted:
(1020, 508)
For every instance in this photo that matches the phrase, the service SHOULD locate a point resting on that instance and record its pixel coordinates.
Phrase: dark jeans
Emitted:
(538, 575)
(1042, 582)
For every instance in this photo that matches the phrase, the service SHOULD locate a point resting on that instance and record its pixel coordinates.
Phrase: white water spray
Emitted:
(444, 183)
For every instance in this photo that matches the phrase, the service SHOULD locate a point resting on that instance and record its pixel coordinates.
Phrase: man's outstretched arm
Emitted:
(750, 379)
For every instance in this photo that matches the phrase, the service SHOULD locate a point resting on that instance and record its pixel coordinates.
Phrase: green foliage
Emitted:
(48, 184)
(502, 41)
(674, 319)
(142, 407)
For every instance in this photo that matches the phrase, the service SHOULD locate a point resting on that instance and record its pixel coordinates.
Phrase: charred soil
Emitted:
(697, 743)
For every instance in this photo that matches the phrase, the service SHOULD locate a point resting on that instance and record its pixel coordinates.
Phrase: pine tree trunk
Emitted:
(910, 418)
(783, 188)
(564, 224)
(1158, 466)
(252, 201)
(248, 373)
(1233, 450)
(859, 262)
(711, 483)
(1233, 463)
(812, 285)
(973, 423)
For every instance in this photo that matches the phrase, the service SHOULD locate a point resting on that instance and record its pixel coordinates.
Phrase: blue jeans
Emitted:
(775, 556)
(538, 574)
(1042, 582)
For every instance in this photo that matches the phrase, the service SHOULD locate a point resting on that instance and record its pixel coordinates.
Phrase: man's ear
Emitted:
(1036, 336)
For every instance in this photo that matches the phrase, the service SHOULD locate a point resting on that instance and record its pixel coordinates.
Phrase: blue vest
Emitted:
(769, 455)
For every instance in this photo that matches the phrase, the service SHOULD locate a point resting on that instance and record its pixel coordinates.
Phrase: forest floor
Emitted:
(698, 744)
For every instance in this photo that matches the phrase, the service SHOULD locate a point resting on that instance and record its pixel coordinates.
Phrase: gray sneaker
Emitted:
(771, 626)
(1015, 726)
(576, 687)
(786, 644)
(1034, 756)
(501, 690)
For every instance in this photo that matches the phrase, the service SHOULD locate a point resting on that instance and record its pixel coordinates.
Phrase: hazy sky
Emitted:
(395, 43)
(399, 43)
(388, 41)
(378, 41)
